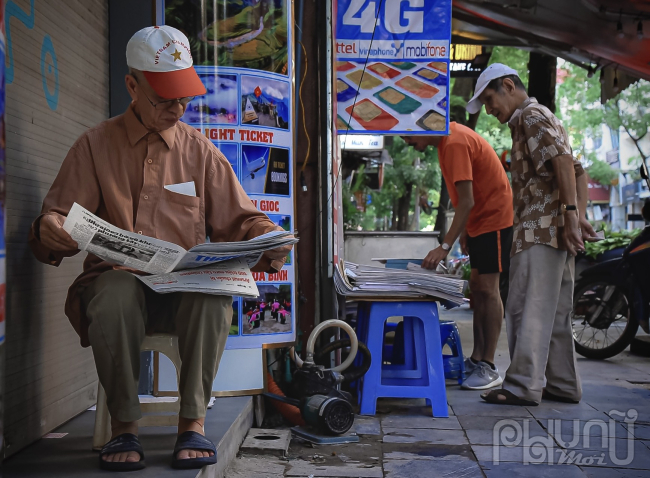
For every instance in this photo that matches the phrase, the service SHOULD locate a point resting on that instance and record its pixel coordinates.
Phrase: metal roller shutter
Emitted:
(57, 87)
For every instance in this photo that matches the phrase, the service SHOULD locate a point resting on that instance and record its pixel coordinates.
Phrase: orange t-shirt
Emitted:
(465, 156)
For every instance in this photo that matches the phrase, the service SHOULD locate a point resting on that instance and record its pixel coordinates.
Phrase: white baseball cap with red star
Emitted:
(163, 55)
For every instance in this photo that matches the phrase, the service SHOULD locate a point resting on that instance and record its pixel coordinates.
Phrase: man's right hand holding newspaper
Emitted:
(52, 234)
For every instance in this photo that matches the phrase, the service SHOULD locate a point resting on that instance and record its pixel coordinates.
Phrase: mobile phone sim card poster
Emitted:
(393, 66)
(242, 51)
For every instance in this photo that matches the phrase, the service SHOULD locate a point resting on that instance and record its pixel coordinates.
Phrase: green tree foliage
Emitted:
(580, 110)
(583, 115)
(404, 181)
(353, 216)
(630, 110)
(602, 172)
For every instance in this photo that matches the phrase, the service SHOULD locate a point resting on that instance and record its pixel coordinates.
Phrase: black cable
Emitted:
(283, 355)
(363, 72)
(280, 398)
(352, 373)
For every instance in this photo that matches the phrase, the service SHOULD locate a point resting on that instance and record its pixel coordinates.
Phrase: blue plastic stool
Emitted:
(401, 358)
(454, 364)
(388, 348)
(422, 373)
(406, 361)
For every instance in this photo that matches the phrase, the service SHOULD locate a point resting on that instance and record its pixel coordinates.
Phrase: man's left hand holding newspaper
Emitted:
(279, 253)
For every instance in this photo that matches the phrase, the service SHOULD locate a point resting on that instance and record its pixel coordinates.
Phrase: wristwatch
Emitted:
(445, 246)
(568, 207)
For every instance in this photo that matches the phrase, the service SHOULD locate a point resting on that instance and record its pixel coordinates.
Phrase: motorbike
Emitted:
(612, 298)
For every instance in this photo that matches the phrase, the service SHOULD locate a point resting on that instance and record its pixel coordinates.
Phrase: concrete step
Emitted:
(71, 456)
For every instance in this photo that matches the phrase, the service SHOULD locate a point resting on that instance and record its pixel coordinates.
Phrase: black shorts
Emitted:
(490, 252)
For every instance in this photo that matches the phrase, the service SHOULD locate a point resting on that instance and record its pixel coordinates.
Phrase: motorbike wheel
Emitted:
(602, 319)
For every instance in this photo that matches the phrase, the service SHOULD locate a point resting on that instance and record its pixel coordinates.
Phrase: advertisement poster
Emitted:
(242, 51)
(393, 66)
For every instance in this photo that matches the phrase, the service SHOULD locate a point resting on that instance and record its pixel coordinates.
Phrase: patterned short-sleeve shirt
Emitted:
(537, 137)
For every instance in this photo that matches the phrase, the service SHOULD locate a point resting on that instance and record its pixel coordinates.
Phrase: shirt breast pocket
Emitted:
(183, 219)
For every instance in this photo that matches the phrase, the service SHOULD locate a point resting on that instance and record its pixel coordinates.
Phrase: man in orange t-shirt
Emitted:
(480, 193)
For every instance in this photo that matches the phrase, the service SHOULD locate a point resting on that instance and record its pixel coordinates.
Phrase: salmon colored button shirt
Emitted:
(118, 170)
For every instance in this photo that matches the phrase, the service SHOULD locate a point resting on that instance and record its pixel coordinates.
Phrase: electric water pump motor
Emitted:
(323, 406)
(333, 415)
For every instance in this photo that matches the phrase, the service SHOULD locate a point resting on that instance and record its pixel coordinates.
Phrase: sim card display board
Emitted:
(393, 66)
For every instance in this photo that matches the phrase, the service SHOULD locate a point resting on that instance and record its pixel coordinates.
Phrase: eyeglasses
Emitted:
(167, 103)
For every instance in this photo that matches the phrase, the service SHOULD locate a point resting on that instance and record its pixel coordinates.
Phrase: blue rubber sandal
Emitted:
(121, 444)
(193, 441)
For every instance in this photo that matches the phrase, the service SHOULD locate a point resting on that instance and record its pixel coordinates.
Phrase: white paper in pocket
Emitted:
(188, 188)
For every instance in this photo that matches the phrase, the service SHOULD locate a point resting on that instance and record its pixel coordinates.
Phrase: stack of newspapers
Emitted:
(354, 280)
(221, 268)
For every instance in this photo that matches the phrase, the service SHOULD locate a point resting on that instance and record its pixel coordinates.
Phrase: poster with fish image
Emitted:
(392, 67)
(242, 51)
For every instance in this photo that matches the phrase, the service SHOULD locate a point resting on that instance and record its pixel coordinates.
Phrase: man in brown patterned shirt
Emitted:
(550, 198)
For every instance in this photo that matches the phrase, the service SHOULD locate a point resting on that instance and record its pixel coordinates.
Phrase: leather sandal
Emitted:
(546, 395)
(510, 398)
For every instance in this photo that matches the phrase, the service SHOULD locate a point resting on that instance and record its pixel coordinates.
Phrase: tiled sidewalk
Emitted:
(402, 440)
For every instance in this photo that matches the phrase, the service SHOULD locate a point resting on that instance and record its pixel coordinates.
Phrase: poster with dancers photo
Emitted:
(270, 313)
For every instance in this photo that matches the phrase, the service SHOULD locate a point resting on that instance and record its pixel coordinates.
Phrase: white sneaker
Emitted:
(482, 377)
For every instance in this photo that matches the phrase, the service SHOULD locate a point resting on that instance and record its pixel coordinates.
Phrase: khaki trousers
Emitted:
(122, 311)
(538, 321)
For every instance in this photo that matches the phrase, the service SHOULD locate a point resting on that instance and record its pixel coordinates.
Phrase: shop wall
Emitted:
(310, 31)
(57, 87)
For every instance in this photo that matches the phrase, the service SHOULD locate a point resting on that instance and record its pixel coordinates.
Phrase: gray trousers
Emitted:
(538, 321)
(122, 311)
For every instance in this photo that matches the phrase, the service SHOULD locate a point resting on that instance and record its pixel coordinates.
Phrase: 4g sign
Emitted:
(395, 29)
(399, 16)
(405, 47)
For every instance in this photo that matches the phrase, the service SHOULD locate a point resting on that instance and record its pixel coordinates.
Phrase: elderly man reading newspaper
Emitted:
(148, 173)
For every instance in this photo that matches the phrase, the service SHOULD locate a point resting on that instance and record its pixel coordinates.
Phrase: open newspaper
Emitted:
(231, 277)
(165, 259)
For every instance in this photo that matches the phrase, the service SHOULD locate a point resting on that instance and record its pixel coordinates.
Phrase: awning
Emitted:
(596, 33)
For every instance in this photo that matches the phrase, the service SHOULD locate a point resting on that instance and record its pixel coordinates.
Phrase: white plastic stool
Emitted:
(154, 414)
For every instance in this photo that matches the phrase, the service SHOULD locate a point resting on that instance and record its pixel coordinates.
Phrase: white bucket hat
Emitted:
(492, 72)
